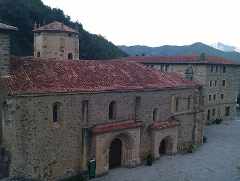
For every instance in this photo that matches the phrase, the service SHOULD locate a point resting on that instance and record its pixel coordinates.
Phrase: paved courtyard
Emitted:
(217, 160)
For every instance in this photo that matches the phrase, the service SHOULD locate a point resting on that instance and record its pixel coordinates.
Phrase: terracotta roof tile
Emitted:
(55, 27)
(116, 126)
(170, 123)
(181, 59)
(48, 76)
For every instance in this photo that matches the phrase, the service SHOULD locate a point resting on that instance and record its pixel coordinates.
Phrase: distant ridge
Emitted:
(167, 50)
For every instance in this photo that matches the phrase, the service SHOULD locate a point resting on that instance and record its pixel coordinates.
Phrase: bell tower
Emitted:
(56, 41)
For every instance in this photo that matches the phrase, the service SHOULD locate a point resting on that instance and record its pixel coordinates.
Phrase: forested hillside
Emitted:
(24, 13)
(194, 49)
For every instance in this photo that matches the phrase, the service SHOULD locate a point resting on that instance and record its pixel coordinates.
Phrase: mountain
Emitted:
(196, 48)
(225, 48)
(24, 14)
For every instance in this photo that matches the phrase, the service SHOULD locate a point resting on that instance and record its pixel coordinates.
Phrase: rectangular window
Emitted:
(212, 67)
(210, 97)
(189, 103)
(222, 96)
(214, 97)
(85, 110)
(224, 83)
(227, 111)
(208, 114)
(210, 83)
(216, 68)
(215, 83)
(224, 69)
(177, 104)
(213, 112)
(166, 68)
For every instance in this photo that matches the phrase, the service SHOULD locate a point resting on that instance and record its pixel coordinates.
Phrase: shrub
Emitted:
(192, 148)
(149, 159)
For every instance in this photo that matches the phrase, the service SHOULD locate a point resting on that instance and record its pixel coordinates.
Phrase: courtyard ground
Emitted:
(216, 160)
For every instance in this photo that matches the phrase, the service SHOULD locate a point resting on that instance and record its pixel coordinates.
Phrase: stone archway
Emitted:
(166, 146)
(115, 153)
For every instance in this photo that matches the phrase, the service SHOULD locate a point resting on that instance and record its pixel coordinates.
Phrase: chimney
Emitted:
(5, 31)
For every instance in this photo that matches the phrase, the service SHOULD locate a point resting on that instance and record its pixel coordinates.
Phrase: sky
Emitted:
(157, 22)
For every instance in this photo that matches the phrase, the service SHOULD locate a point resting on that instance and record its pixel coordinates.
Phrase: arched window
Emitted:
(70, 56)
(56, 110)
(112, 110)
(155, 114)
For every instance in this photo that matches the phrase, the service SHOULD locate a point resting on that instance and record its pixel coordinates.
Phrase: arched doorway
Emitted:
(115, 153)
(166, 146)
(162, 147)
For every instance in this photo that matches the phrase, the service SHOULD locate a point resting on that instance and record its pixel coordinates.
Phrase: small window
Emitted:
(216, 68)
(56, 112)
(85, 111)
(208, 114)
(213, 112)
(210, 83)
(224, 69)
(227, 111)
(112, 110)
(224, 83)
(166, 68)
(215, 82)
(38, 54)
(210, 97)
(189, 103)
(155, 114)
(214, 97)
(177, 104)
(70, 56)
(70, 34)
(222, 96)
(212, 67)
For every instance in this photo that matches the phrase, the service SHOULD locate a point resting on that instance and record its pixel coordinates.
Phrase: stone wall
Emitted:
(44, 149)
(4, 52)
(56, 45)
(203, 74)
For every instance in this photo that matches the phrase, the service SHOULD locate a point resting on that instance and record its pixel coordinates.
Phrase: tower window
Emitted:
(70, 56)
(112, 112)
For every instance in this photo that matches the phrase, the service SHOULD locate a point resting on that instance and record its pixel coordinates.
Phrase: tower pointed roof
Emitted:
(55, 27)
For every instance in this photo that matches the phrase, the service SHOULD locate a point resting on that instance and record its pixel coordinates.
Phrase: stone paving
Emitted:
(216, 160)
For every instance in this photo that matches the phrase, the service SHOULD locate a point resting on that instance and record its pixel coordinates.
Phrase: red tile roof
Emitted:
(170, 123)
(181, 59)
(116, 126)
(55, 27)
(49, 76)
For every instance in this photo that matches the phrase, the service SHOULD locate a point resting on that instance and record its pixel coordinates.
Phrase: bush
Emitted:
(204, 139)
(192, 148)
(149, 159)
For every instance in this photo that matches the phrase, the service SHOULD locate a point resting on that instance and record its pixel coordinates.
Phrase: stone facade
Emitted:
(218, 96)
(57, 41)
(4, 52)
(41, 148)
